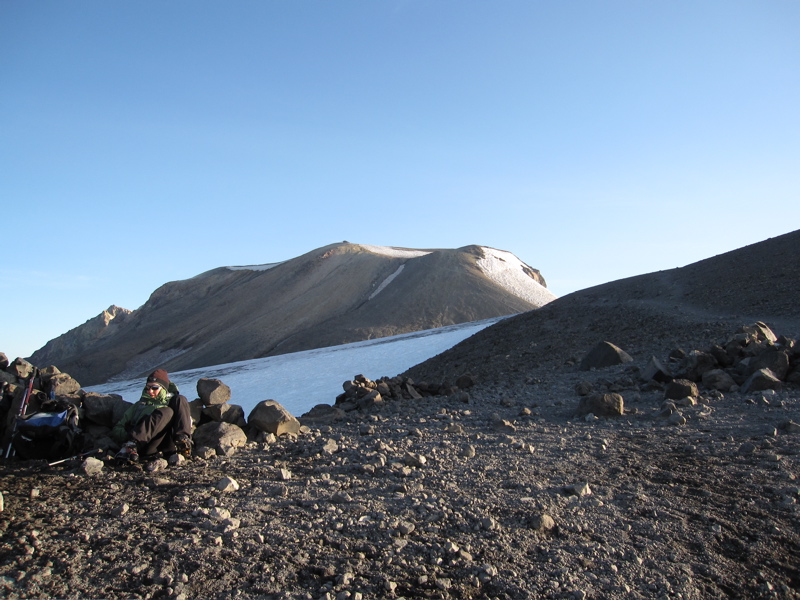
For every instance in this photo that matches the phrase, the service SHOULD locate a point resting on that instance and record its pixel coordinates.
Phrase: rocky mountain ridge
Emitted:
(333, 295)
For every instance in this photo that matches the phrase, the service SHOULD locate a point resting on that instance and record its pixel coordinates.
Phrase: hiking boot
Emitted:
(128, 453)
(183, 446)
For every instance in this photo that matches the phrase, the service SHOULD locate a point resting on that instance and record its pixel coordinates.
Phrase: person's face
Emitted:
(153, 389)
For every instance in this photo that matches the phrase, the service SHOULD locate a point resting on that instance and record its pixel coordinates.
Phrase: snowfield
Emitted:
(507, 271)
(301, 380)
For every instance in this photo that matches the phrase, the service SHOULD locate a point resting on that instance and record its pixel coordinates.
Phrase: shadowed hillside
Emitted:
(646, 314)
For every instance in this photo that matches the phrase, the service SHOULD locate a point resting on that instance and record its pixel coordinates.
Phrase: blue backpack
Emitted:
(51, 433)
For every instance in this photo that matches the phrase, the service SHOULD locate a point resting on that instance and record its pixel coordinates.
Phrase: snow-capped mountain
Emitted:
(337, 294)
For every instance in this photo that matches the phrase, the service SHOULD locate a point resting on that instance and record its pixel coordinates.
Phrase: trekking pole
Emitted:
(22, 410)
(77, 456)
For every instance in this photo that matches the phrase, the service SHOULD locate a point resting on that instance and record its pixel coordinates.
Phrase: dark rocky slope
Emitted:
(646, 315)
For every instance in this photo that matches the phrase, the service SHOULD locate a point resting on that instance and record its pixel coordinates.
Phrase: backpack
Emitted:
(51, 433)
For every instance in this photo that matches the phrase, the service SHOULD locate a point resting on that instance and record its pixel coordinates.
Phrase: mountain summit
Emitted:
(334, 295)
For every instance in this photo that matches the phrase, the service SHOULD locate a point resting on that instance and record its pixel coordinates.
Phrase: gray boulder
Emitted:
(322, 414)
(213, 391)
(63, 385)
(604, 354)
(717, 379)
(601, 405)
(681, 388)
(774, 359)
(270, 417)
(196, 410)
(656, 371)
(226, 413)
(761, 380)
(104, 409)
(697, 363)
(219, 436)
(21, 368)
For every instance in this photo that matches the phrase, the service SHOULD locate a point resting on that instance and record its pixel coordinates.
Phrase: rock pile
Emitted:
(14, 378)
(362, 393)
(219, 426)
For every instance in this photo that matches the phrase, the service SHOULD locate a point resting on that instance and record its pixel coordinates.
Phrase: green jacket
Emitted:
(143, 408)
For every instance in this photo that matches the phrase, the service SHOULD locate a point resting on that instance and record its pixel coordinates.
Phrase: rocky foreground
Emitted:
(501, 492)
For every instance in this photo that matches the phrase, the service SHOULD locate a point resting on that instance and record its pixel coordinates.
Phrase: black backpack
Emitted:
(51, 433)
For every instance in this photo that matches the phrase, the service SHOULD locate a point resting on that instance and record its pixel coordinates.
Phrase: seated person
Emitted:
(159, 422)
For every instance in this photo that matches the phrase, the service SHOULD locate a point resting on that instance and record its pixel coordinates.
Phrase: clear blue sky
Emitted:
(149, 141)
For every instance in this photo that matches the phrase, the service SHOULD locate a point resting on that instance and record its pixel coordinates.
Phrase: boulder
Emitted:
(717, 379)
(322, 414)
(20, 368)
(604, 354)
(270, 417)
(697, 363)
(600, 405)
(3, 360)
(213, 391)
(761, 380)
(62, 384)
(196, 410)
(681, 388)
(656, 371)
(226, 413)
(723, 358)
(103, 409)
(761, 332)
(774, 359)
(219, 436)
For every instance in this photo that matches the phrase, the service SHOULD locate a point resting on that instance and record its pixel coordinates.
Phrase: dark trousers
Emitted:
(157, 431)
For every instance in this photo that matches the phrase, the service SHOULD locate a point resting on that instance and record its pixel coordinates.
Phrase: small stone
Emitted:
(676, 419)
(92, 466)
(542, 522)
(156, 465)
(406, 527)
(468, 451)
(341, 498)
(227, 484)
(415, 460)
(120, 510)
(579, 489)
(747, 448)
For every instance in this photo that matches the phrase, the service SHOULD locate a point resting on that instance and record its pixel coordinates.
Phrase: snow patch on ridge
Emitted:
(265, 267)
(507, 271)
(386, 282)
(394, 252)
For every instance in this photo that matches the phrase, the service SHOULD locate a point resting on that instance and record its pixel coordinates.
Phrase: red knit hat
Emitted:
(159, 376)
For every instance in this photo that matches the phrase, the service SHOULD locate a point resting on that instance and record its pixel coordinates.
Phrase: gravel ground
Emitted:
(507, 496)
(503, 493)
